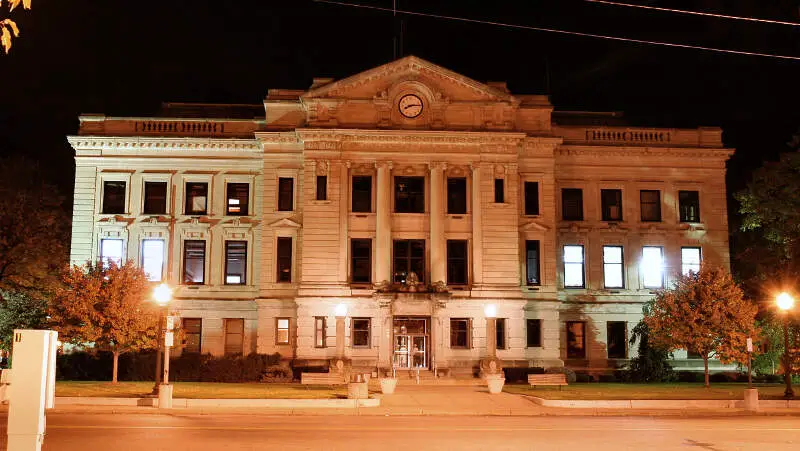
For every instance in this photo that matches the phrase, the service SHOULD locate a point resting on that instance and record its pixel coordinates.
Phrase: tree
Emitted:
(705, 312)
(8, 28)
(651, 364)
(770, 359)
(20, 311)
(106, 305)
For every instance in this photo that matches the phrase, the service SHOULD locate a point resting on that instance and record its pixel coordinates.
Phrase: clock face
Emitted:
(410, 106)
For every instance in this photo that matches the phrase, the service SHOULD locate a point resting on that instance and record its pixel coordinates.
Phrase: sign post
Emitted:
(749, 362)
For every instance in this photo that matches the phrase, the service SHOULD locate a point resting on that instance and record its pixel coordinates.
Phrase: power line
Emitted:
(553, 30)
(696, 13)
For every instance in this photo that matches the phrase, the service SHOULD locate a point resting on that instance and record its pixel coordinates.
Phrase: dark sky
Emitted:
(125, 57)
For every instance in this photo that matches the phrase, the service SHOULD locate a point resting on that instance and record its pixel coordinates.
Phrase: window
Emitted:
(235, 262)
(284, 259)
(111, 251)
(611, 200)
(689, 206)
(319, 332)
(534, 332)
(576, 340)
(500, 330)
(532, 198)
(361, 260)
(617, 339)
(652, 267)
(650, 202)
(572, 204)
(409, 256)
(457, 268)
(361, 332)
(532, 262)
(155, 198)
(282, 331)
(113, 197)
(196, 198)
(573, 267)
(409, 195)
(362, 194)
(456, 196)
(192, 334)
(499, 191)
(322, 187)
(459, 333)
(613, 268)
(153, 259)
(234, 336)
(194, 262)
(238, 199)
(285, 194)
(690, 260)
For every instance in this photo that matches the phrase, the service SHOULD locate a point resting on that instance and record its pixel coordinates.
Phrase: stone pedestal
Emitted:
(491, 367)
(751, 400)
(165, 396)
(342, 367)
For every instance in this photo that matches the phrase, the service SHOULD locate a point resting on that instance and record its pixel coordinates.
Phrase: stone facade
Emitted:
(400, 128)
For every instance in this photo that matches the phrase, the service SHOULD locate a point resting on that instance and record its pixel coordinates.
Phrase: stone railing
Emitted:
(636, 136)
(189, 128)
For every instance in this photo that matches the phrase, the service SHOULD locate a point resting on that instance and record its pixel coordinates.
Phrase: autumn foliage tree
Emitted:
(9, 28)
(107, 305)
(705, 312)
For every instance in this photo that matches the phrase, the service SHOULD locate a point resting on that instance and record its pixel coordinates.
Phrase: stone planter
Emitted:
(388, 384)
(495, 384)
(357, 390)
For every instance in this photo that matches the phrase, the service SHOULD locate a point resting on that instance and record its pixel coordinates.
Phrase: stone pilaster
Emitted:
(383, 228)
(477, 228)
(438, 245)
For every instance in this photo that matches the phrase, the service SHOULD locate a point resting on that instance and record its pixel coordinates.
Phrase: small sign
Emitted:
(171, 320)
(749, 345)
(169, 338)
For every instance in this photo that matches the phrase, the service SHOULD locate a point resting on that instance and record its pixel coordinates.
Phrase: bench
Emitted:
(547, 379)
(321, 379)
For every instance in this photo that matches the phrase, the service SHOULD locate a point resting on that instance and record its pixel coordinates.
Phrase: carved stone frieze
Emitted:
(163, 144)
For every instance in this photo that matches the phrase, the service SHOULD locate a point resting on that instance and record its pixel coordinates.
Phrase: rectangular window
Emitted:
(617, 339)
(532, 198)
(409, 194)
(113, 197)
(111, 251)
(650, 203)
(613, 267)
(322, 187)
(362, 194)
(534, 333)
(456, 196)
(361, 260)
(611, 200)
(234, 336)
(500, 329)
(573, 267)
(499, 191)
(532, 262)
(576, 340)
(572, 204)
(192, 334)
(153, 259)
(459, 333)
(652, 267)
(408, 257)
(196, 198)
(155, 198)
(690, 260)
(284, 259)
(689, 206)
(238, 199)
(457, 267)
(235, 262)
(282, 331)
(361, 332)
(285, 194)
(319, 332)
(194, 262)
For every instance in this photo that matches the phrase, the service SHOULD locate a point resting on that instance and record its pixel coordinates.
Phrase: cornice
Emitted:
(115, 143)
(628, 151)
(410, 137)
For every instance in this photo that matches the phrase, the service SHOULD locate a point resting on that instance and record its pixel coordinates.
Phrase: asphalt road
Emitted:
(137, 432)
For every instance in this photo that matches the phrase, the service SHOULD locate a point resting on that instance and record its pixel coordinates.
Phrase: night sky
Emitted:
(126, 57)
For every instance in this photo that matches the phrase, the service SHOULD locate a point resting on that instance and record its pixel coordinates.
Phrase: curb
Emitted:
(187, 403)
(664, 404)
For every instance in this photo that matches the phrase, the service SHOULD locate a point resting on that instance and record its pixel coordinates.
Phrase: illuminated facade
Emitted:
(265, 218)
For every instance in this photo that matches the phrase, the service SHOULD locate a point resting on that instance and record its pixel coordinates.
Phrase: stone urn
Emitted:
(495, 383)
(388, 384)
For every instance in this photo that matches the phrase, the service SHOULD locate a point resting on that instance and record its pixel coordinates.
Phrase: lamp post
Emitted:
(491, 330)
(163, 295)
(785, 303)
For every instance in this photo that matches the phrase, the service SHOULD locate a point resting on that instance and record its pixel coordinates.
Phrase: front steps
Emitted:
(426, 377)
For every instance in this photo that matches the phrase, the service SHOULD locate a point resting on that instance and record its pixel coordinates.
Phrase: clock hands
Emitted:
(412, 105)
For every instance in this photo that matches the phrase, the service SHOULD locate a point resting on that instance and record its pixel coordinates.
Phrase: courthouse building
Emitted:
(418, 199)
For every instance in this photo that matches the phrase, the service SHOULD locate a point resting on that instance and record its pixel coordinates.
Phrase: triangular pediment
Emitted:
(285, 223)
(534, 226)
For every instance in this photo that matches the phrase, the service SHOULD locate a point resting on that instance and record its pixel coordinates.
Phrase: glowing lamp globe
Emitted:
(341, 310)
(785, 301)
(490, 311)
(162, 294)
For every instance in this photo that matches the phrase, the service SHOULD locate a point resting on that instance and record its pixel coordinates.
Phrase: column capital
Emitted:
(475, 165)
(381, 164)
(433, 165)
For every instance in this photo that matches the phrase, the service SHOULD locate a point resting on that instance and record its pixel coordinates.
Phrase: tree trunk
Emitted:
(116, 367)
(705, 364)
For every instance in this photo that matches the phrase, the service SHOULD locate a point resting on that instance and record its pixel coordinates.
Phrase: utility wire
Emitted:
(553, 30)
(696, 13)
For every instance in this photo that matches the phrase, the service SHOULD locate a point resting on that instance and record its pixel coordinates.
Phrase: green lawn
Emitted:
(647, 391)
(197, 390)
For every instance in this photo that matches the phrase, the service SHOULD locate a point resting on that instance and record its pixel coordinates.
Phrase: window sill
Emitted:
(320, 202)
(500, 205)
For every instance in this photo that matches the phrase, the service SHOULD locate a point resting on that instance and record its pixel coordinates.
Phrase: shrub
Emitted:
(689, 376)
(277, 373)
(607, 378)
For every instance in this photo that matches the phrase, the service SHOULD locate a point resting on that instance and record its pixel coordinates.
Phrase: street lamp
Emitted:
(163, 295)
(785, 303)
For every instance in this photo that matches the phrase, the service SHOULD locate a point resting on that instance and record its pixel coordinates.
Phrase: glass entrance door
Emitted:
(410, 343)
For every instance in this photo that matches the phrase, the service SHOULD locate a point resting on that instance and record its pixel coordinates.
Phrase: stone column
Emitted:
(491, 337)
(477, 228)
(344, 209)
(383, 227)
(340, 337)
(438, 245)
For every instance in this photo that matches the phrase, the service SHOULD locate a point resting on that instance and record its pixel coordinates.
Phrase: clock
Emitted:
(410, 106)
